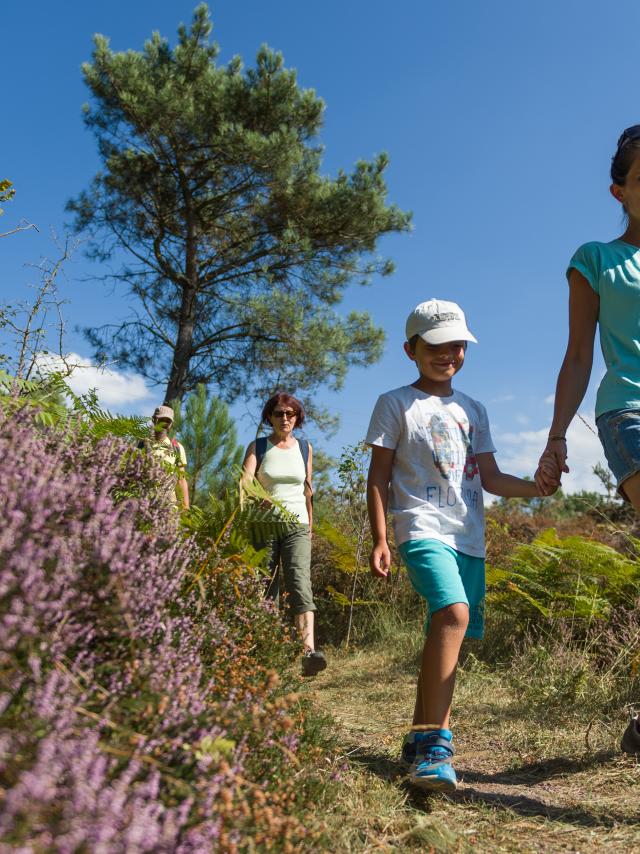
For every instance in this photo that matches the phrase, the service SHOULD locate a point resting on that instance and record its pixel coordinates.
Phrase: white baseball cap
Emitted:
(437, 321)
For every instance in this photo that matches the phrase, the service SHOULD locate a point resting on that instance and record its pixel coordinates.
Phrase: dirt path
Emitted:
(525, 785)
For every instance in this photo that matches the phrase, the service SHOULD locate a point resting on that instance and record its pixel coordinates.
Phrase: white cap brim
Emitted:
(447, 333)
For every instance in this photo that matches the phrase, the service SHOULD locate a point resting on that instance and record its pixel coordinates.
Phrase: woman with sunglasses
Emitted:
(283, 465)
(604, 289)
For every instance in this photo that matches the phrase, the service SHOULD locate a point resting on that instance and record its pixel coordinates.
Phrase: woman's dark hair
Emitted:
(627, 151)
(281, 398)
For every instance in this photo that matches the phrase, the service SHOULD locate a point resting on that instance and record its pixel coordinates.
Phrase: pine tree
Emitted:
(209, 436)
(234, 245)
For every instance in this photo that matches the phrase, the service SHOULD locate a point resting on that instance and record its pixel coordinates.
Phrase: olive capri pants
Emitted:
(293, 549)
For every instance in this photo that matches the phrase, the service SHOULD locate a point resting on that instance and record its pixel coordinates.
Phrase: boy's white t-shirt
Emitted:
(435, 491)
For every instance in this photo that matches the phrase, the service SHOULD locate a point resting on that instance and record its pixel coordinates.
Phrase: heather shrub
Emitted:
(144, 705)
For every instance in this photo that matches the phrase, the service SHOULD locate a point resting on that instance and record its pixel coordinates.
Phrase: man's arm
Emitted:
(377, 499)
(183, 492)
(506, 485)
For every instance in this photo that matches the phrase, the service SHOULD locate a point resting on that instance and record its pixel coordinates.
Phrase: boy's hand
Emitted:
(547, 476)
(552, 464)
(550, 485)
(380, 560)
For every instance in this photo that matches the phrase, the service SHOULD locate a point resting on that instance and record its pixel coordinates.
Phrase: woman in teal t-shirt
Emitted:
(604, 290)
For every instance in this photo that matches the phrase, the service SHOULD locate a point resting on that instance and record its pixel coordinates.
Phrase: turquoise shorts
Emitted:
(443, 576)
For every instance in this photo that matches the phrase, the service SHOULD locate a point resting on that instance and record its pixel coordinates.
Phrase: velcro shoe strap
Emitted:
(438, 741)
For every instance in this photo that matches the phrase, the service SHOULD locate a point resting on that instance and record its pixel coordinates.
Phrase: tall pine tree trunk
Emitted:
(177, 385)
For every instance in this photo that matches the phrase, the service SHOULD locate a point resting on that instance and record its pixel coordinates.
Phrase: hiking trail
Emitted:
(524, 784)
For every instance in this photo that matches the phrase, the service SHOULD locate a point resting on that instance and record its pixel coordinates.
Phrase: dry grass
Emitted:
(526, 785)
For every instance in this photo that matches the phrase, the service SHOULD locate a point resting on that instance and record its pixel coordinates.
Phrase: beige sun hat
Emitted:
(163, 412)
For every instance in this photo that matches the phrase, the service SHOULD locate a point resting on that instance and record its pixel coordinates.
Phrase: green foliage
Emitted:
(55, 404)
(560, 506)
(239, 248)
(572, 578)
(7, 192)
(209, 436)
(240, 522)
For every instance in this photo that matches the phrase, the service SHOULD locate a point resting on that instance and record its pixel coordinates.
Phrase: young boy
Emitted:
(431, 444)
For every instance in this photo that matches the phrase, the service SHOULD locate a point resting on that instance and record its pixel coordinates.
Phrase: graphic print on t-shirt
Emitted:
(443, 448)
(449, 438)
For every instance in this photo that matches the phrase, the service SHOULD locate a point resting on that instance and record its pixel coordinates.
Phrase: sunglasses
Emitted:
(631, 134)
(282, 413)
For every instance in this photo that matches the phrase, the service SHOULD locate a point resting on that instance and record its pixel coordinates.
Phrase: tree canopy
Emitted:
(212, 205)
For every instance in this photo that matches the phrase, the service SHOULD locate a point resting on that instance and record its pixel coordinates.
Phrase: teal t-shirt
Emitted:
(613, 271)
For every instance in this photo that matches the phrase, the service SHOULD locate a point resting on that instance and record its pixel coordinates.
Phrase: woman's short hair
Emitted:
(281, 398)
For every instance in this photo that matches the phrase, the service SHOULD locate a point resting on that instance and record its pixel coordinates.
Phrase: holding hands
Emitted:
(552, 464)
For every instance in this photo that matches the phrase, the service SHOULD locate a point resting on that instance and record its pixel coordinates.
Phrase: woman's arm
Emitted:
(573, 379)
(249, 464)
(377, 499)
(505, 485)
(308, 493)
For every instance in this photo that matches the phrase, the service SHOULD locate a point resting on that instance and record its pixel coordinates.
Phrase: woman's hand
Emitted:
(551, 466)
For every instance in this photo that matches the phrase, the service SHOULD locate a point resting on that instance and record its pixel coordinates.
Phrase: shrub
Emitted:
(144, 705)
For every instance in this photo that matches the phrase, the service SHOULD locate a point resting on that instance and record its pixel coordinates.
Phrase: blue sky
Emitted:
(499, 118)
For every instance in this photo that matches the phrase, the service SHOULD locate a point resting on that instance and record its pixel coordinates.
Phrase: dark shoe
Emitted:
(313, 661)
(631, 737)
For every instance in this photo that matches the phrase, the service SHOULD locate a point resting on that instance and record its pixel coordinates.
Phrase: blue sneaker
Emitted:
(432, 769)
(409, 749)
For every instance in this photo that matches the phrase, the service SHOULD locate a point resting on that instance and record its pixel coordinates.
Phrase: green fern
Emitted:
(241, 521)
(56, 405)
(572, 577)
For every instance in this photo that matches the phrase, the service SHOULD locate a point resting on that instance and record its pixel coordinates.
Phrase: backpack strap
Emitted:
(303, 444)
(261, 450)
(304, 450)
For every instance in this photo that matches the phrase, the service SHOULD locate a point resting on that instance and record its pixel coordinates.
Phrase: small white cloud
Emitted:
(114, 388)
(503, 398)
(522, 419)
(518, 453)
(549, 399)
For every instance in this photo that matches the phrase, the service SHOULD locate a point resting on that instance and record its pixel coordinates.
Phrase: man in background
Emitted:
(170, 451)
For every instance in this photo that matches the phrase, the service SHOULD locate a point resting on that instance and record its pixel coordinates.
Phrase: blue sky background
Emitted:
(499, 118)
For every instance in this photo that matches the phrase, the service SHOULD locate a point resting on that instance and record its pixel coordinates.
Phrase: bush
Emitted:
(144, 705)
(571, 577)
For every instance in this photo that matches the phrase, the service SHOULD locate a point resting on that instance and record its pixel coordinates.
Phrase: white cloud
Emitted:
(518, 453)
(503, 398)
(549, 399)
(523, 420)
(114, 388)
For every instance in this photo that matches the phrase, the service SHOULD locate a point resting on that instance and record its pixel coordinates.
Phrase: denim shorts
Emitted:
(444, 576)
(619, 432)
